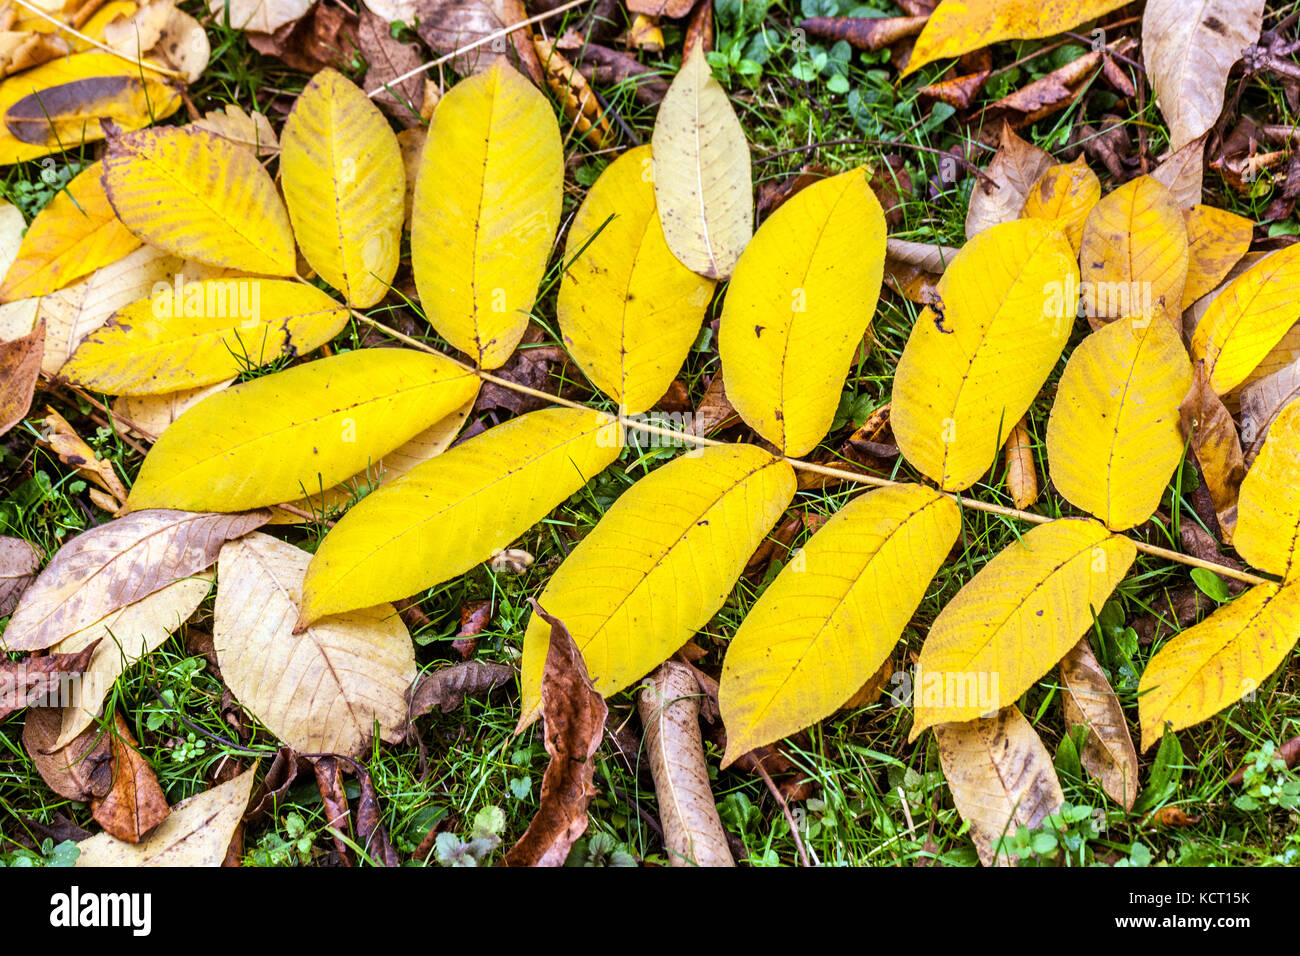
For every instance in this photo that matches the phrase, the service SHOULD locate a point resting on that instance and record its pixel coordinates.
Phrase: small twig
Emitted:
(789, 817)
(175, 74)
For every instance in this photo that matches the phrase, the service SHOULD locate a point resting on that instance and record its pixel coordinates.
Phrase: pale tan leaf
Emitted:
(1088, 700)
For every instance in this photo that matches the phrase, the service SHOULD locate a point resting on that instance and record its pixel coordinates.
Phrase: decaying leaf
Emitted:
(1064, 195)
(250, 130)
(1216, 241)
(20, 364)
(582, 108)
(1016, 167)
(447, 687)
(1212, 436)
(37, 679)
(1001, 777)
(197, 832)
(135, 802)
(703, 183)
(116, 564)
(573, 725)
(61, 438)
(670, 709)
(320, 691)
(1089, 701)
(19, 562)
(1022, 476)
(388, 58)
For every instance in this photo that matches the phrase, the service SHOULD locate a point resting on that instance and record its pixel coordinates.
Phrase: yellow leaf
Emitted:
(1268, 507)
(833, 614)
(1216, 241)
(74, 235)
(1065, 195)
(76, 92)
(960, 26)
(1248, 318)
(200, 196)
(1134, 255)
(343, 182)
(1113, 439)
(1214, 664)
(1001, 777)
(970, 371)
(798, 306)
(455, 511)
(1015, 619)
(322, 691)
(486, 209)
(203, 332)
(703, 182)
(628, 310)
(281, 436)
(660, 563)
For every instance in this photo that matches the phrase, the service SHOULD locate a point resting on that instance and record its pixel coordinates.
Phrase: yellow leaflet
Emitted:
(71, 237)
(1268, 508)
(200, 196)
(628, 310)
(833, 614)
(279, 437)
(1216, 241)
(76, 92)
(798, 306)
(960, 26)
(659, 564)
(191, 334)
(486, 209)
(343, 182)
(703, 182)
(455, 511)
(1214, 664)
(1134, 255)
(1015, 619)
(1113, 439)
(970, 372)
(1065, 195)
(1248, 318)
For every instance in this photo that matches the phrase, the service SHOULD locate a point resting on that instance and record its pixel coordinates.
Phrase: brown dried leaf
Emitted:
(669, 707)
(20, 363)
(135, 803)
(584, 112)
(864, 33)
(673, 9)
(325, 36)
(1022, 478)
(1261, 402)
(1089, 701)
(699, 29)
(450, 25)
(1015, 168)
(1213, 435)
(715, 412)
(116, 564)
(61, 438)
(79, 771)
(1000, 775)
(388, 58)
(19, 562)
(39, 681)
(338, 818)
(371, 832)
(606, 67)
(447, 687)
(573, 716)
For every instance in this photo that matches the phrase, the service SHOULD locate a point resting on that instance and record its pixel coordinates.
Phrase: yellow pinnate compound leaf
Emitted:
(455, 511)
(59, 104)
(1134, 254)
(960, 26)
(1216, 663)
(486, 210)
(199, 195)
(1113, 439)
(1268, 507)
(344, 183)
(660, 563)
(798, 306)
(703, 181)
(280, 436)
(71, 237)
(833, 614)
(1248, 318)
(1015, 619)
(970, 371)
(193, 334)
(1064, 196)
(1216, 241)
(628, 310)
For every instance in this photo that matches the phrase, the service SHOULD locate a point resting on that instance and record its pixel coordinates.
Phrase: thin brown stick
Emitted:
(850, 476)
(785, 811)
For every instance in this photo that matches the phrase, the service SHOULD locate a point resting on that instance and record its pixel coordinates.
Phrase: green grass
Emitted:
(879, 800)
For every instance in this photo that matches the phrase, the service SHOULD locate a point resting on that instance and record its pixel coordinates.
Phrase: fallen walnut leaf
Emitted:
(20, 363)
(135, 803)
(19, 563)
(447, 687)
(670, 708)
(1089, 701)
(1212, 433)
(573, 720)
(39, 680)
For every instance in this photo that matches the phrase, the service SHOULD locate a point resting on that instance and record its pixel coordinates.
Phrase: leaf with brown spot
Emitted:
(1089, 701)
(197, 833)
(573, 717)
(60, 437)
(1016, 166)
(1213, 435)
(448, 26)
(1216, 241)
(116, 564)
(447, 687)
(1022, 477)
(864, 33)
(135, 803)
(38, 681)
(1001, 777)
(325, 36)
(19, 562)
(338, 818)
(20, 364)
(669, 705)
